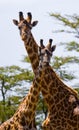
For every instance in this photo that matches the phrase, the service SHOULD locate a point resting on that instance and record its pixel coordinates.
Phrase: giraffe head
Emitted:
(75, 104)
(25, 25)
(45, 53)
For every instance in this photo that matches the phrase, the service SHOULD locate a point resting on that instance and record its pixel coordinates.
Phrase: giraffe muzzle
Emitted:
(76, 110)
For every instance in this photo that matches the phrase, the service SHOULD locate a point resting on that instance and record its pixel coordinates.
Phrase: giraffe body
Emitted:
(56, 95)
(62, 101)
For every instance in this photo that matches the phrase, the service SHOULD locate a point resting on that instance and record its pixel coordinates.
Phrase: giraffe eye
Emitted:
(25, 22)
(19, 28)
(48, 52)
(74, 104)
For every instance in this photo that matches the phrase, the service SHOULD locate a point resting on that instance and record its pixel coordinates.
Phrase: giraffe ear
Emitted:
(53, 48)
(15, 22)
(34, 23)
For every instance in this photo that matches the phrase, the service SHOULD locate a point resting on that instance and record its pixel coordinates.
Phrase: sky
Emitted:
(11, 46)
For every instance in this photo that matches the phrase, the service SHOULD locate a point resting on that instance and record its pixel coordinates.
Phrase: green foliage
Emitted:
(59, 63)
(67, 20)
(26, 59)
(73, 46)
(11, 78)
(9, 108)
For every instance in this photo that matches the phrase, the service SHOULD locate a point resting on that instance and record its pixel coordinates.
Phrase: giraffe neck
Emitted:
(26, 111)
(51, 85)
(56, 95)
(32, 50)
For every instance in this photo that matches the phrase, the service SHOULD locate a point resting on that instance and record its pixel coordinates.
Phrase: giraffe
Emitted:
(62, 101)
(31, 46)
(25, 26)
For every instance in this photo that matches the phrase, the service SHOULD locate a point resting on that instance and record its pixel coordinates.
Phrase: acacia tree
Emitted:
(71, 21)
(12, 80)
(69, 24)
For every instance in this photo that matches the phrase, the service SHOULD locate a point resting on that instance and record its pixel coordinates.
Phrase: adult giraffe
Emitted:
(62, 101)
(27, 106)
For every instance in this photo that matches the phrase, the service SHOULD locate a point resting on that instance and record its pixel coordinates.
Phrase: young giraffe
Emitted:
(25, 26)
(62, 101)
